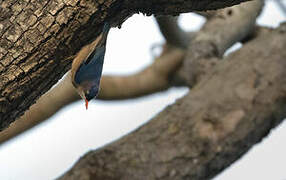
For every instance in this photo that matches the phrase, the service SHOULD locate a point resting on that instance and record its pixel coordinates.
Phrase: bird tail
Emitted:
(105, 30)
(106, 27)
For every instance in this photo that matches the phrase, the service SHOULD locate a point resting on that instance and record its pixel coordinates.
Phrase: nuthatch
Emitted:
(87, 67)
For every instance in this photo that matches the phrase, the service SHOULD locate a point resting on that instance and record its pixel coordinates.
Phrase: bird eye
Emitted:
(91, 93)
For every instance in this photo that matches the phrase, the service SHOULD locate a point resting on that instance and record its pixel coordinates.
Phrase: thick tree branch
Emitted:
(212, 126)
(174, 7)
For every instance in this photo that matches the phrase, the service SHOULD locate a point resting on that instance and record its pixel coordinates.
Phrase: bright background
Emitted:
(50, 149)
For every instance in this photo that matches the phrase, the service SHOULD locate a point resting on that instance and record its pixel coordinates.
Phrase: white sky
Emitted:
(51, 148)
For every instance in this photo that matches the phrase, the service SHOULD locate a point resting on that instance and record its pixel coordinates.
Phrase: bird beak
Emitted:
(86, 103)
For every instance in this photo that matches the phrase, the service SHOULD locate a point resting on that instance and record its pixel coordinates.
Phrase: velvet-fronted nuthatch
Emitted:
(87, 66)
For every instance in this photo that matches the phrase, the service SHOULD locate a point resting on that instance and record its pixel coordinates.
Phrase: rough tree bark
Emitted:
(39, 39)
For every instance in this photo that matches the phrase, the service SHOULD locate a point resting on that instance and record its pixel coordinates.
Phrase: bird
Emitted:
(86, 70)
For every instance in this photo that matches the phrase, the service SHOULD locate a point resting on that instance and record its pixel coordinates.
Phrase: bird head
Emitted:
(88, 91)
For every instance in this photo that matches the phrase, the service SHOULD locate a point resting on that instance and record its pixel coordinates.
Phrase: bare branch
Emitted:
(171, 31)
(152, 79)
(51, 102)
(227, 27)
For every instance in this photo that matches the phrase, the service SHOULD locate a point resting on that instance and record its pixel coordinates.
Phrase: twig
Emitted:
(171, 31)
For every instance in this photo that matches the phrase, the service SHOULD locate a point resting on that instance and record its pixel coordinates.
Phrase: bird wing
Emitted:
(91, 69)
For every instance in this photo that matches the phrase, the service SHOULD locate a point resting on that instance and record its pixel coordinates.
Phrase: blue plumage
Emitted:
(91, 70)
(87, 76)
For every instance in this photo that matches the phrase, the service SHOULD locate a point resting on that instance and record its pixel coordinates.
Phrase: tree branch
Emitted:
(152, 79)
(216, 37)
(171, 31)
(201, 135)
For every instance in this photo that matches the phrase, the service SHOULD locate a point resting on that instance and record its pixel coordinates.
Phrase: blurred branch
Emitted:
(171, 31)
(152, 79)
(46, 106)
(225, 28)
(207, 14)
(200, 135)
